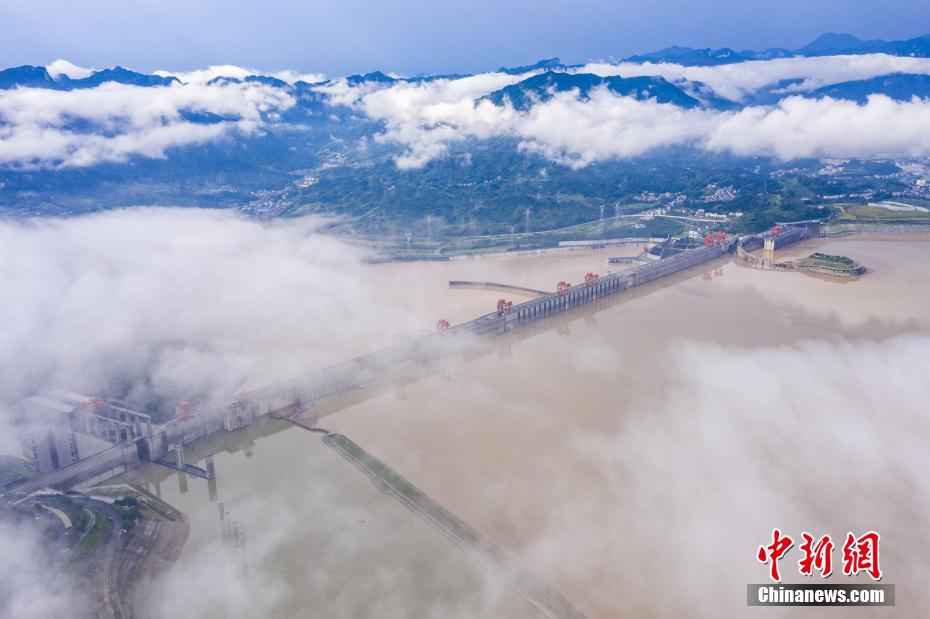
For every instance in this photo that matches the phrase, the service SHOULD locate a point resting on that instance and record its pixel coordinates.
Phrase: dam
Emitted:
(307, 391)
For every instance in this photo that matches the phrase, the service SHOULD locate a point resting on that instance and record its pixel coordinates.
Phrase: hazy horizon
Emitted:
(415, 36)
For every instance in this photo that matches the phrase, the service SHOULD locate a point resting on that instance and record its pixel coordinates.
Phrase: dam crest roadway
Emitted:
(353, 378)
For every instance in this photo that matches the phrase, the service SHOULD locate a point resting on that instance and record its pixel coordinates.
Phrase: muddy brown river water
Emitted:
(634, 457)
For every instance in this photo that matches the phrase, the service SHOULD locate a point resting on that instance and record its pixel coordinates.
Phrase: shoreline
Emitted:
(835, 230)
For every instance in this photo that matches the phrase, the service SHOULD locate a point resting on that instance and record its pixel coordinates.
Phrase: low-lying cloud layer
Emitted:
(637, 464)
(578, 132)
(178, 304)
(114, 122)
(426, 118)
(825, 437)
(29, 588)
(707, 446)
(202, 76)
(739, 80)
(186, 302)
(800, 127)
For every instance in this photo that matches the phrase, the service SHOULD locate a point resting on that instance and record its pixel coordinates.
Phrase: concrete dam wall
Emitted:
(304, 392)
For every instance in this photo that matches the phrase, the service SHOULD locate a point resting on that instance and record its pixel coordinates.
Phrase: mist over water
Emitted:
(180, 304)
(157, 305)
(634, 457)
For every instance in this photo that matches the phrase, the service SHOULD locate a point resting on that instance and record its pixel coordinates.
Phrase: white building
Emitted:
(62, 428)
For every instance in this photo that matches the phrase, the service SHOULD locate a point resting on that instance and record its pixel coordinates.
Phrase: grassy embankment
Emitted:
(14, 471)
(388, 478)
(94, 538)
(884, 212)
(828, 261)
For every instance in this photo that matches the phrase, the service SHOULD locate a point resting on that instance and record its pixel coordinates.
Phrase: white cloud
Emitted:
(736, 81)
(400, 100)
(800, 127)
(182, 302)
(202, 76)
(427, 118)
(291, 77)
(676, 461)
(175, 304)
(197, 301)
(578, 133)
(607, 127)
(36, 125)
(825, 437)
(62, 66)
(29, 589)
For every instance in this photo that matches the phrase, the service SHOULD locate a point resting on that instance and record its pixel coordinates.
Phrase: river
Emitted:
(634, 457)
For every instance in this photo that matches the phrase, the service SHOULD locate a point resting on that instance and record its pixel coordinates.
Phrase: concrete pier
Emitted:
(520, 290)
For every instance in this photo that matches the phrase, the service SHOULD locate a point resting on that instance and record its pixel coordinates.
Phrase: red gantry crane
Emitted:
(717, 238)
(92, 405)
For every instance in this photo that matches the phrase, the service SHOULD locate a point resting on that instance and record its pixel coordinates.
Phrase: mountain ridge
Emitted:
(826, 44)
(829, 43)
(542, 86)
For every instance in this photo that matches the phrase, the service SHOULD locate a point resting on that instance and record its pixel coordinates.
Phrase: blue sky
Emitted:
(409, 36)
